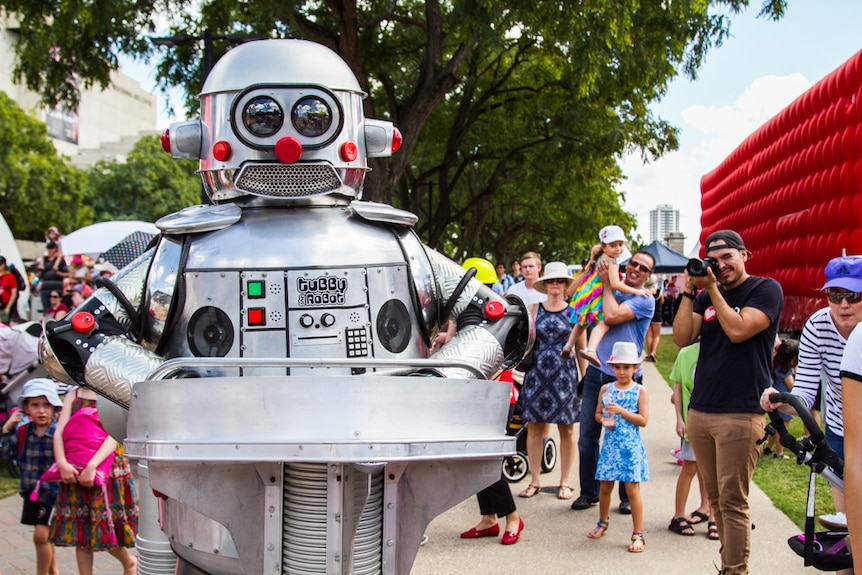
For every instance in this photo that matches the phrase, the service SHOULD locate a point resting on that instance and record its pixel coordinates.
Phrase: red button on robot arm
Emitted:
(83, 322)
(495, 310)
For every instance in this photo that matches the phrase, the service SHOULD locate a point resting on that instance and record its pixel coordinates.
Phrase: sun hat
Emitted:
(844, 272)
(625, 352)
(77, 259)
(553, 270)
(39, 386)
(729, 238)
(610, 234)
(105, 267)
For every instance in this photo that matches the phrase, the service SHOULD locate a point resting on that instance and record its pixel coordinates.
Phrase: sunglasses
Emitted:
(556, 281)
(54, 297)
(641, 267)
(839, 296)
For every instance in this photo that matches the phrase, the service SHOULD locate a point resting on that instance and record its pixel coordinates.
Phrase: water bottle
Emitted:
(608, 419)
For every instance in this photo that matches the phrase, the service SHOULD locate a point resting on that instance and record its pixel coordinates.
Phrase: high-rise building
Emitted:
(663, 221)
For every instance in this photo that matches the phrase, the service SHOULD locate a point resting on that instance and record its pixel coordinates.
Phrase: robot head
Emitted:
(281, 119)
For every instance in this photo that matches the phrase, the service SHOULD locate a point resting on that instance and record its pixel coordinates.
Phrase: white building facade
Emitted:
(122, 112)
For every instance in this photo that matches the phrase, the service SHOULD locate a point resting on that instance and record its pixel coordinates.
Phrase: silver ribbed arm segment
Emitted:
(474, 345)
(448, 274)
(116, 365)
(130, 280)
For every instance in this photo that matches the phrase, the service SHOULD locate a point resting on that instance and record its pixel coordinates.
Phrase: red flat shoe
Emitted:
(511, 537)
(474, 533)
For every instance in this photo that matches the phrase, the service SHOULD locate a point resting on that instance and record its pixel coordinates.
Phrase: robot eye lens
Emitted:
(263, 116)
(311, 116)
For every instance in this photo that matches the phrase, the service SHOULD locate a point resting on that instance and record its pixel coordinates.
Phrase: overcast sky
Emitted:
(755, 74)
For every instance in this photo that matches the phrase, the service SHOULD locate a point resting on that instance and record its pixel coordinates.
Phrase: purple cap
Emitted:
(844, 272)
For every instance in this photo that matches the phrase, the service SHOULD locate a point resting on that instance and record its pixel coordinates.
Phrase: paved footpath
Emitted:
(554, 540)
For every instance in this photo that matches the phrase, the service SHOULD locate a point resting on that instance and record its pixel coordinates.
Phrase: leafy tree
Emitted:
(513, 113)
(37, 189)
(147, 186)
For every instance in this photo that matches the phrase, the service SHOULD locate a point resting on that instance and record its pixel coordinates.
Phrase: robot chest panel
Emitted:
(349, 312)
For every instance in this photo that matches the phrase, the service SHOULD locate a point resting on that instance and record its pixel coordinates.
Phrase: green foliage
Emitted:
(513, 114)
(37, 189)
(65, 46)
(147, 186)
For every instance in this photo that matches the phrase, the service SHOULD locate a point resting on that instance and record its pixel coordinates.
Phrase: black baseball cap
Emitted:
(729, 240)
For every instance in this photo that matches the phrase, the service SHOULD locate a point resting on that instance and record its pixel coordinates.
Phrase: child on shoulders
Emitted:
(587, 300)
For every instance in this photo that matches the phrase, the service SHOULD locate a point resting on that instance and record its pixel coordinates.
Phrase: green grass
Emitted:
(783, 481)
(8, 484)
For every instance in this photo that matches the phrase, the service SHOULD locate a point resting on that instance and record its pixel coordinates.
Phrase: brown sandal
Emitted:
(565, 492)
(530, 491)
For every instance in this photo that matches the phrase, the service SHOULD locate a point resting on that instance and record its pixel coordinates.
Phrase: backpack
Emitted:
(22, 283)
(22, 438)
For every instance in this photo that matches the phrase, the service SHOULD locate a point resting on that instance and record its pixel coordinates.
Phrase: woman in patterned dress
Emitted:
(92, 518)
(622, 411)
(549, 393)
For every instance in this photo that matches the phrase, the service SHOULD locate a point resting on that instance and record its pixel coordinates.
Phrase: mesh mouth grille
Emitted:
(288, 181)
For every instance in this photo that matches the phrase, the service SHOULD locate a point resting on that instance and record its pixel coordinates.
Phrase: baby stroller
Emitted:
(516, 467)
(824, 550)
(18, 363)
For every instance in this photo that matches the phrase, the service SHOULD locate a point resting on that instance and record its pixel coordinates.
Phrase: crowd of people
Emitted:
(593, 330)
(57, 281)
(726, 317)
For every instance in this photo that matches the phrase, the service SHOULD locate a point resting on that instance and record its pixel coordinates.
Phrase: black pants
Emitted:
(496, 499)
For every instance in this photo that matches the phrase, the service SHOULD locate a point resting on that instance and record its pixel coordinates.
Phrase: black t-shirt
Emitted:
(731, 376)
(50, 279)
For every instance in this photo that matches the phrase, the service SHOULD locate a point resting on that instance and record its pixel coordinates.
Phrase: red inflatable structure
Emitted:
(793, 190)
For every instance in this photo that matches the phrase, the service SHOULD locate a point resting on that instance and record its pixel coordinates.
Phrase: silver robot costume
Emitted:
(268, 361)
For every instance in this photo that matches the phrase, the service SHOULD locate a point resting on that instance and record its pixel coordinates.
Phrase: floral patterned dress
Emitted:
(623, 456)
(549, 393)
(81, 516)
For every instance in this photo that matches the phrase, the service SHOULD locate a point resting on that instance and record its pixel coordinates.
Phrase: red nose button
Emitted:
(288, 150)
(494, 310)
(83, 322)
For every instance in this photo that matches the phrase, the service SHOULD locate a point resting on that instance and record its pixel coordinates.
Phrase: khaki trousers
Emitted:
(725, 445)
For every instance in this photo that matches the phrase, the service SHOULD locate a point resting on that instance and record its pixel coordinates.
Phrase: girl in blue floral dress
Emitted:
(622, 411)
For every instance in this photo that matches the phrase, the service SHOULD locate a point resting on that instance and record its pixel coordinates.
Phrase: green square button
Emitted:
(255, 289)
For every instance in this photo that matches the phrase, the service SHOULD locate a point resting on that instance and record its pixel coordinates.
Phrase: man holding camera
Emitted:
(736, 317)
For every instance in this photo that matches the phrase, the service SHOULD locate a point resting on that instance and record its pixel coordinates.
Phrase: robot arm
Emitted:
(492, 331)
(90, 347)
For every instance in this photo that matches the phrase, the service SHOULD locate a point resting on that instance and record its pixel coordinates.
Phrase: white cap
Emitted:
(610, 234)
(39, 386)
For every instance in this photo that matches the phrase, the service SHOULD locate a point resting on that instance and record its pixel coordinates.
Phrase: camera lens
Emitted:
(695, 267)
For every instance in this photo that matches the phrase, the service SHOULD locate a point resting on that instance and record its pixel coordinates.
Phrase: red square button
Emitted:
(257, 316)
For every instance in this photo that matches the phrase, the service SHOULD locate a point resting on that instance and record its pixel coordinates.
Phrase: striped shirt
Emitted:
(820, 350)
(37, 457)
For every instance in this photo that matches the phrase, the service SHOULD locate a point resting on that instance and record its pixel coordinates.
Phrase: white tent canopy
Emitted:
(95, 239)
